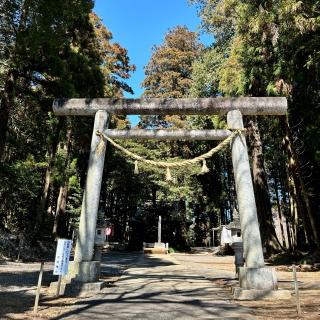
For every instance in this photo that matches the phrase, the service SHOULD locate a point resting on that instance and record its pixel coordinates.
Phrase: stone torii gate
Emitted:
(254, 275)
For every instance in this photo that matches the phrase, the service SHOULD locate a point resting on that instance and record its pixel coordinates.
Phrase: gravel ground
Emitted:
(15, 277)
(18, 282)
(220, 270)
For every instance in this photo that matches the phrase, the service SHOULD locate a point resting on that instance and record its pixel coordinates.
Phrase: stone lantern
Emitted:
(100, 236)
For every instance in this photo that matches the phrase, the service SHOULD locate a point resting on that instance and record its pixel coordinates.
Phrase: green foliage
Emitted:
(62, 49)
(219, 17)
(115, 64)
(271, 48)
(180, 68)
(73, 208)
(21, 184)
(205, 74)
(168, 73)
(54, 49)
(171, 250)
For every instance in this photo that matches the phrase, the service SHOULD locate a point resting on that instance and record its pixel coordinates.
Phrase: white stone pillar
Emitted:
(159, 230)
(91, 197)
(253, 253)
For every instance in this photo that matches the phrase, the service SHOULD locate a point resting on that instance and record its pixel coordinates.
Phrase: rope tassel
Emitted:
(136, 168)
(204, 169)
(168, 175)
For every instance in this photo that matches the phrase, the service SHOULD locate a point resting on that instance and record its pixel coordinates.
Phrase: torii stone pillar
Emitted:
(252, 246)
(83, 267)
(254, 275)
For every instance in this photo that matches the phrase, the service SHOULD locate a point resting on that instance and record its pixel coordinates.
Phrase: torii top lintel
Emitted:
(166, 106)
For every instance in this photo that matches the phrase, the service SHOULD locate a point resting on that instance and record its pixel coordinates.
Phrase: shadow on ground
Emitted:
(156, 288)
(17, 290)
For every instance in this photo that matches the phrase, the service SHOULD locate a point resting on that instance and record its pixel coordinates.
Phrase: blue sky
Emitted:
(139, 24)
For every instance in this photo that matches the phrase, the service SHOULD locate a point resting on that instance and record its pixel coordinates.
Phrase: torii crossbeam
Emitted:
(248, 106)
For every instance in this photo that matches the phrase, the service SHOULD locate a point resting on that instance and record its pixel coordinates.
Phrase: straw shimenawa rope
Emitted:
(164, 164)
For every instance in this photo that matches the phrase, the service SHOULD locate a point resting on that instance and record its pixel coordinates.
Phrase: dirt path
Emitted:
(158, 287)
(18, 286)
(179, 286)
(220, 270)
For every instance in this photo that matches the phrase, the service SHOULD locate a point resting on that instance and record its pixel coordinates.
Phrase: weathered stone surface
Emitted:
(82, 278)
(252, 246)
(243, 294)
(84, 271)
(258, 278)
(159, 245)
(177, 134)
(247, 106)
(75, 288)
(238, 254)
(90, 203)
(156, 250)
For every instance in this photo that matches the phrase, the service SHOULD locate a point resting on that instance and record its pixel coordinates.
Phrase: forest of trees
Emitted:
(62, 49)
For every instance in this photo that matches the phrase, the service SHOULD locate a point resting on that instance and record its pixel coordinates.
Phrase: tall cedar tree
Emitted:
(222, 18)
(36, 39)
(59, 52)
(169, 71)
(169, 75)
(274, 51)
(115, 67)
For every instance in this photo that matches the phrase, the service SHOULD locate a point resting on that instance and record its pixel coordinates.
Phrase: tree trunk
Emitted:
(286, 200)
(44, 196)
(8, 97)
(294, 214)
(42, 213)
(285, 243)
(154, 196)
(60, 227)
(302, 197)
(61, 221)
(261, 191)
(6, 103)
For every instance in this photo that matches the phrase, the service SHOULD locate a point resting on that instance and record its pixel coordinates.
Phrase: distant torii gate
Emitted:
(254, 275)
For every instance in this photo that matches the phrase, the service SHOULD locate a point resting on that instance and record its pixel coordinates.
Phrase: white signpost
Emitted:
(61, 262)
